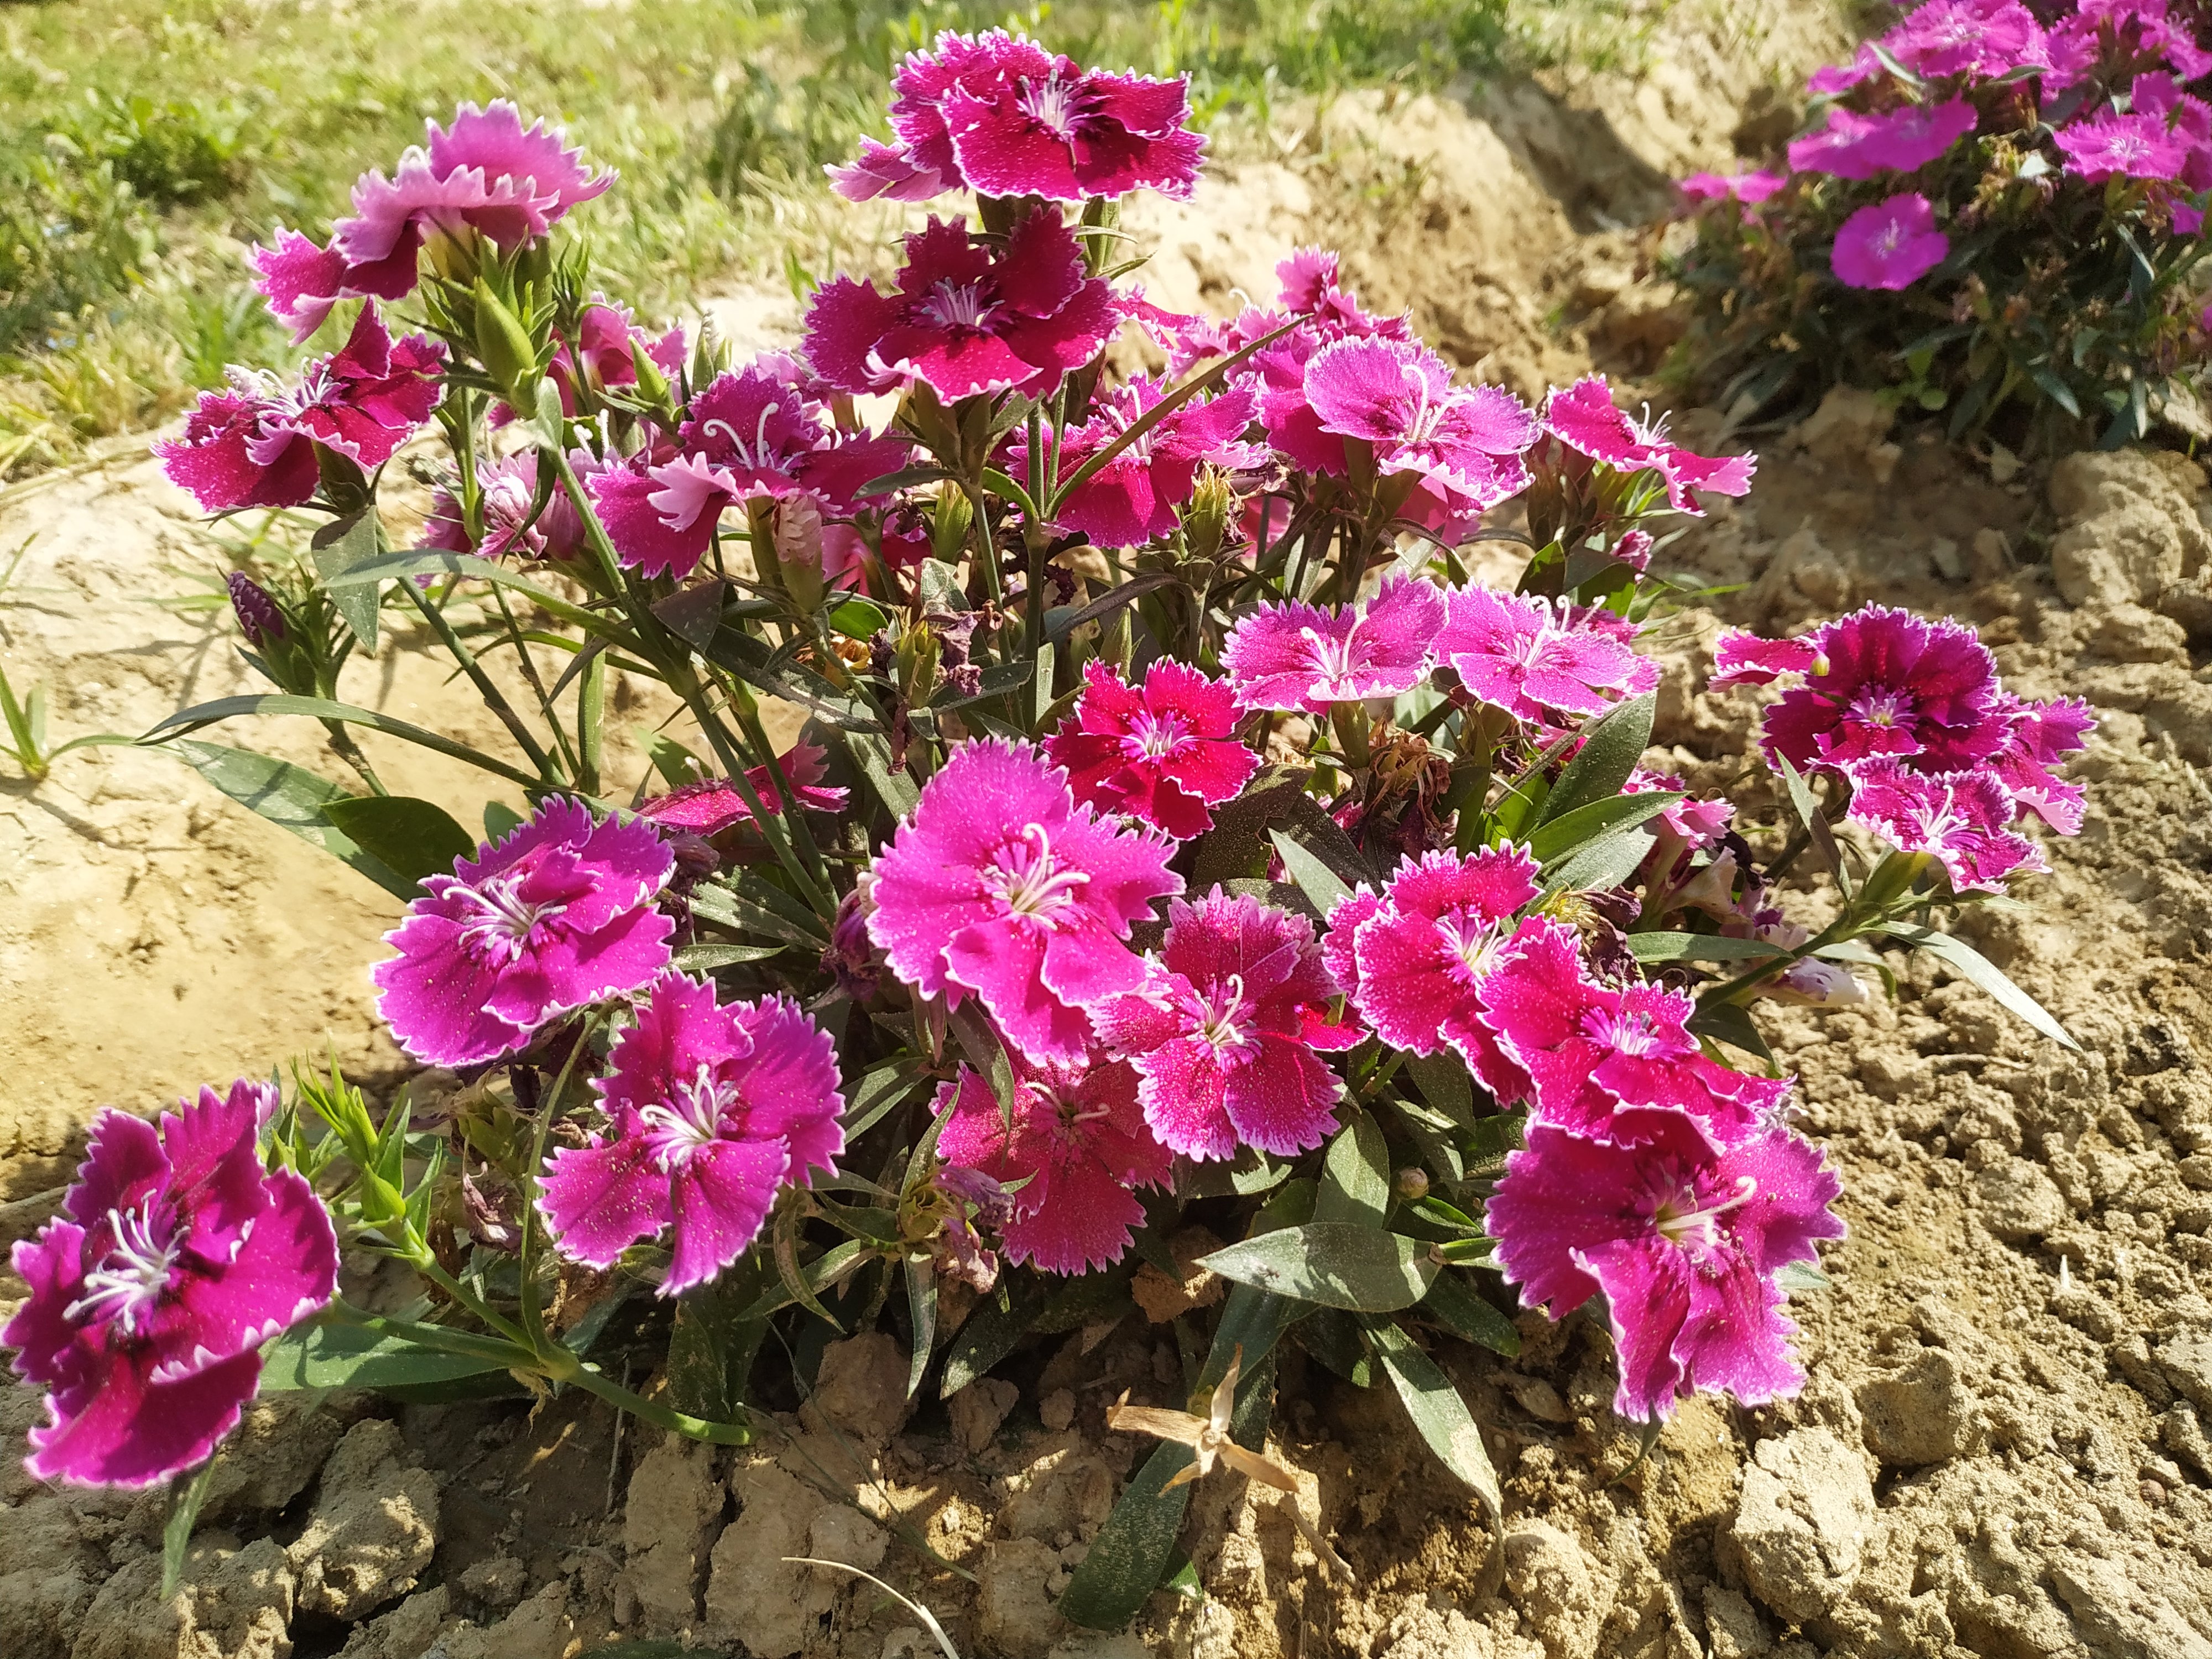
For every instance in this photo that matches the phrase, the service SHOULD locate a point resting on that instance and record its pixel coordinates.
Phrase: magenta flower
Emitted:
(1685, 1242)
(1613, 1064)
(1583, 417)
(174, 1257)
(215, 458)
(486, 174)
(558, 914)
(1299, 656)
(1001, 885)
(1425, 953)
(2109, 145)
(602, 357)
(1889, 244)
(966, 318)
(507, 492)
(1165, 754)
(712, 805)
(1134, 498)
(1741, 659)
(1080, 1136)
(1338, 952)
(1529, 655)
(2040, 736)
(1399, 398)
(1225, 1030)
(1002, 116)
(1749, 188)
(1960, 818)
(1856, 146)
(711, 1108)
(1980, 38)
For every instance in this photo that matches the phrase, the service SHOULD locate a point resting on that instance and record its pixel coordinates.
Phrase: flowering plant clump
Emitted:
(1994, 211)
(1176, 832)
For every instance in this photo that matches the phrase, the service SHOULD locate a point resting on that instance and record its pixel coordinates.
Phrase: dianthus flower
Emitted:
(1889, 244)
(1000, 884)
(258, 618)
(1958, 817)
(1855, 146)
(2074, 47)
(1224, 1031)
(1880, 682)
(713, 805)
(558, 914)
(1684, 1241)
(1339, 952)
(1399, 397)
(486, 174)
(254, 444)
(1530, 655)
(1979, 38)
(506, 489)
(2108, 145)
(174, 1257)
(1134, 497)
(2039, 736)
(1165, 753)
(1423, 954)
(1749, 188)
(1294, 655)
(1001, 115)
(1612, 1063)
(604, 353)
(1584, 417)
(1079, 1136)
(966, 318)
(711, 1108)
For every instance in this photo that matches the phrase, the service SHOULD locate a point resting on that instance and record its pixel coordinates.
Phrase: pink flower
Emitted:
(1299, 656)
(2108, 145)
(1166, 754)
(486, 174)
(1584, 418)
(174, 1257)
(1741, 659)
(1613, 1064)
(1135, 497)
(1425, 953)
(558, 914)
(1958, 817)
(1684, 1242)
(1889, 244)
(1399, 398)
(254, 445)
(1855, 146)
(2039, 736)
(712, 805)
(1003, 117)
(1225, 1029)
(711, 1108)
(1338, 945)
(1749, 188)
(1529, 655)
(1001, 885)
(507, 494)
(1980, 38)
(966, 318)
(1080, 1136)
(602, 355)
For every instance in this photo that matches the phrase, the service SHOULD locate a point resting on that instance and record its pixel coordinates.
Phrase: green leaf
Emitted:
(1587, 823)
(921, 1307)
(1698, 947)
(292, 798)
(1445, 1083)
(859, 619)
(186, 1498)
(704, 959)
(712, 1344)
(821, 1274)
(2055, 389)
(412, 838)
(500, 820)
(881, 1088)
(363, 577)
(1726, 1022)
(725, 908)
(322, 709)
(1323, 887)
(1455, 1304)
(1355, 1177)
(1602, 865)
(1332, 1336)
(1807, 808)
(1961, 956)
(676, 764)
(1612, 747)
(1336, 1264)
(1436, 1410)
(341, 547)
(991, 1333)
(348, 1357)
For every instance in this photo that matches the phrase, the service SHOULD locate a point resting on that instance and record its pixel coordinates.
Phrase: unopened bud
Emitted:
(258, 618)
(509, 357)
(949, 531)
(1413, 1184)
(652, 384)
(1206, 520)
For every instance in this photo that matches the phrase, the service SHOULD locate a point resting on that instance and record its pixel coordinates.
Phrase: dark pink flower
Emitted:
(966, 318)
(1000, 884)
(1889, 244)
(1979, 38)
(604, 353)
(1612, 1063)
(1856, 146)
(1300, 656)
(712, 805)
(486, 174)
(2108, 145)
(2038, 738)
(1584, 418)
(1002, 116)
(1224, 1028)
(558, 914)
(1399, 398)
(711, 1108)
(1960, 818)
(1424, 955)
(1080, 1136)
(1741, 659)
(1530, 655)
(1165, 754)
(1694, 824)
(1684, 1242)
(1830, 79)
(507, 493)
(1135, 497)
(1749, 188)
(2076, 45)
(174, 1257)
(1338, 952)
(214, 459)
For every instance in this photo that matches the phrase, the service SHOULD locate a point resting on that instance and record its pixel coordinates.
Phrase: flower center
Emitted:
(756, 454)
(1056, 105)
(1155, 737)
(505, 922)
(957, 305)
(1882, 707)
(1330, 662)
(1427, 415)
(691, 1116)
(1681, 1219)
(1470, 936)
(1938, 823)
(1026, 879)
(1888, 240)
(129, 1282)
(1625, 1032)
(1223, 1025)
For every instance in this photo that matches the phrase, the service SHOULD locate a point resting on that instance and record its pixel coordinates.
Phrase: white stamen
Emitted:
(129, 1282)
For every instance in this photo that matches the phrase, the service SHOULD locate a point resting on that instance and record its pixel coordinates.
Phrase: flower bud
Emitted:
(955, 513)
(1412, 1184)
(258, 618)
(652, 384)
(509, 357)
(1206, 520)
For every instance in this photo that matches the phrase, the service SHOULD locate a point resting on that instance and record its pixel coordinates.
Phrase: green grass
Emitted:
(145, 144)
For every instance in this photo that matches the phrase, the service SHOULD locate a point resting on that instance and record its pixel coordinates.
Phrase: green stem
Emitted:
(495, 699)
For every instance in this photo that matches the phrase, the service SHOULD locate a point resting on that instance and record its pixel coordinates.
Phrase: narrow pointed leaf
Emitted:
(1336, 1264)
(1436, 1410)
